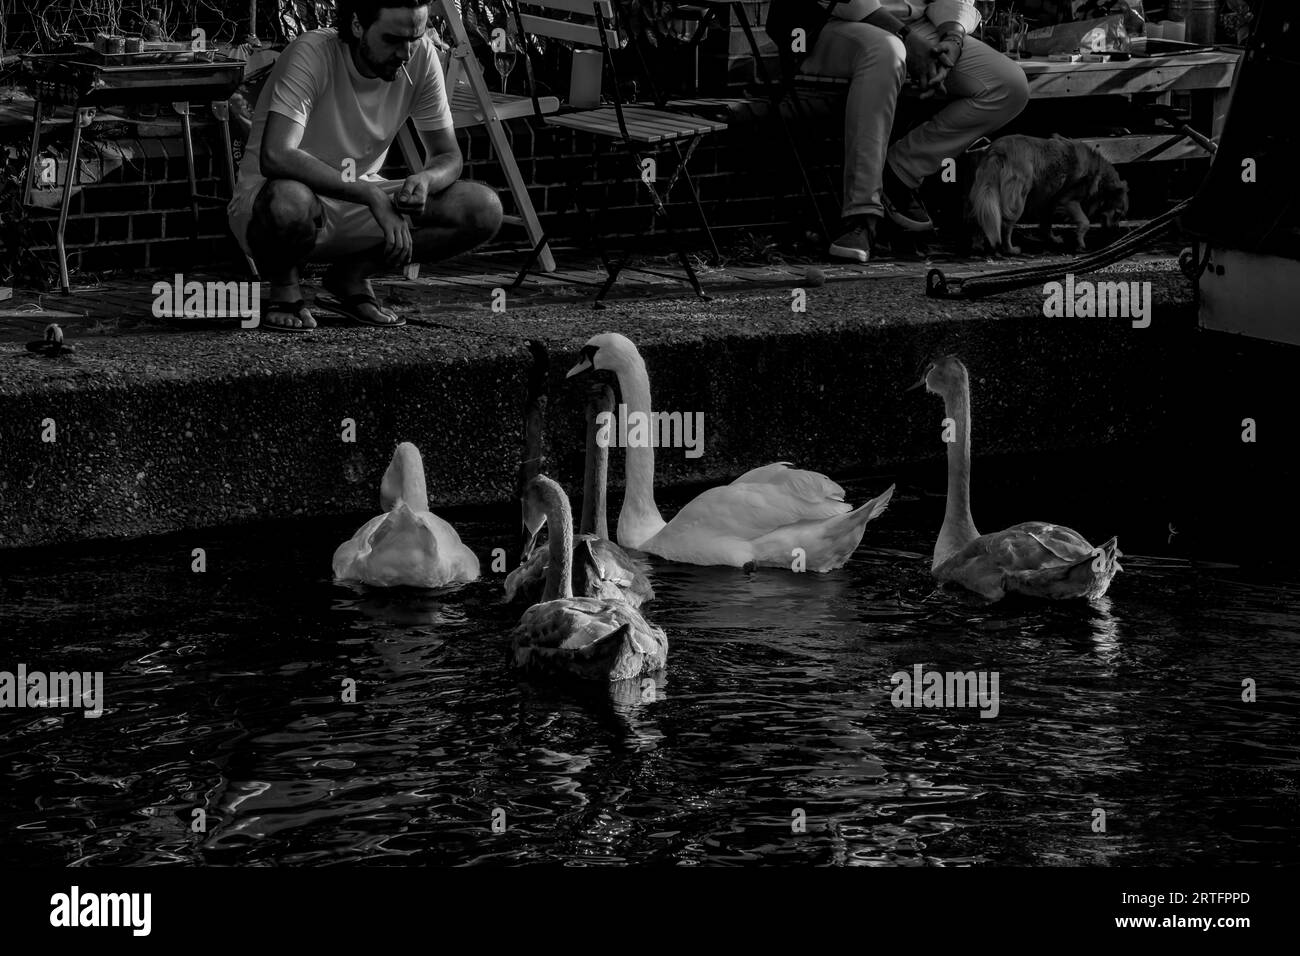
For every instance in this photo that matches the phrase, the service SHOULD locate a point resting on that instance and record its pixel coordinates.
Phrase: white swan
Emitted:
(582, 636)
(601, 569)
(1037, 559)
(759, 519)
(408, 545)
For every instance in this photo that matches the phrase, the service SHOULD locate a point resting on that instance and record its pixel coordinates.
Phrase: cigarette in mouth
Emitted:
(408, 75)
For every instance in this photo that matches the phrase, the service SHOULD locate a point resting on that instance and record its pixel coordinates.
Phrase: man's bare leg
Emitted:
(281, 235)
(462, 216)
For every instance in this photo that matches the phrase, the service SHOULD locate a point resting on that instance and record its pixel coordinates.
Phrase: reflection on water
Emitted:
(225, 692)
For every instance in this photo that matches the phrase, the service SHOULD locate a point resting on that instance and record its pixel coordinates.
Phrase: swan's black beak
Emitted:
(532, 543)
(923, 371)
(586, 360)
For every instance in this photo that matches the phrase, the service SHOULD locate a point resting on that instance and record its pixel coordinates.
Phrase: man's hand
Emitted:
(397, 231)
(411, 197)
(933, 83)
(920, 53)
(923, 64)
(948, 50)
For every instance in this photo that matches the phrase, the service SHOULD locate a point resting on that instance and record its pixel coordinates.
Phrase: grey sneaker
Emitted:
(854, 244)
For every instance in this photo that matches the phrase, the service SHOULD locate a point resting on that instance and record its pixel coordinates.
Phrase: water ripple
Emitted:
(772, 737)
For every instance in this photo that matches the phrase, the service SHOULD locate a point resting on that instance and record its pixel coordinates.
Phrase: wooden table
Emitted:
(88, 81)
(1208, 73)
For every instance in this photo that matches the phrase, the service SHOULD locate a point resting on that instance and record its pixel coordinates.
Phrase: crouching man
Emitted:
(309, 185)
(877, 45)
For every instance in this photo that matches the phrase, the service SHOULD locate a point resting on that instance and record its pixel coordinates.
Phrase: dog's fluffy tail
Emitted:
(985, 198)
(999, 190)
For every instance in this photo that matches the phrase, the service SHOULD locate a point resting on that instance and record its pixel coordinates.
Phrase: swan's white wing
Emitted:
(826, 544)
(809, 485)
(749, 510)
(348, 555)
(459, 563)
(405, 547)
(390, 550)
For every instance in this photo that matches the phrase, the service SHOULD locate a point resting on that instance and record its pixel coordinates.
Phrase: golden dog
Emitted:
(1020, 173)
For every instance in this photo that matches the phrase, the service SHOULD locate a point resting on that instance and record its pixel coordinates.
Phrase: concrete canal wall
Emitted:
(151, 433)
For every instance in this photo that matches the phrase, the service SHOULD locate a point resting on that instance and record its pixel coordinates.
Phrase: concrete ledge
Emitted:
(211, 428)
(162, 431)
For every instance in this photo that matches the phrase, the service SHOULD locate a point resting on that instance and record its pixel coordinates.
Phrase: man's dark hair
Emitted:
(367, 12)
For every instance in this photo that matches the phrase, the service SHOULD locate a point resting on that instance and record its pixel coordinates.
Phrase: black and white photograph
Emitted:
(464, 459)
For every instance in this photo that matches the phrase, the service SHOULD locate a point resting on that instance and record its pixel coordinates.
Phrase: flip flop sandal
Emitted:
(346, 306)
(280, 305)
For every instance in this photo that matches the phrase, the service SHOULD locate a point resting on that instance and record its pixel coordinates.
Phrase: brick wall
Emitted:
(744, 177)
(133, 211)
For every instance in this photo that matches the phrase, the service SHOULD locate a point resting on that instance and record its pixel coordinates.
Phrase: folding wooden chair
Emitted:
(638, 129)
(771, 88)
(795, 80)
(473, 104)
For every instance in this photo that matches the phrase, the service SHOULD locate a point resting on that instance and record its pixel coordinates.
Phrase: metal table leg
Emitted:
(221, 110)
(36, 148)
(80, 118)
(183, 108)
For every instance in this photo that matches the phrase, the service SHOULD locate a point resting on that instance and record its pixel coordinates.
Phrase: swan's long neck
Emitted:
(958, 525)
(639, 519)
(597, 468)
(559, 572)
(404, 480)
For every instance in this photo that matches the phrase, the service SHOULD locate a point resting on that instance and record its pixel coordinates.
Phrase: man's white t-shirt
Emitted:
(345, 115)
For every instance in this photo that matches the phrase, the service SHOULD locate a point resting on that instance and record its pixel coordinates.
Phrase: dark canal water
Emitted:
(223, 692)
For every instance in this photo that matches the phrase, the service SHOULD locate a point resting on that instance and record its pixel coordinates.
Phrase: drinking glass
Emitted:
(504, 59)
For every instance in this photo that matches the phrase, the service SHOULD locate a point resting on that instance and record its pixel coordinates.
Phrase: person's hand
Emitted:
(920, 53)
(934, 81)
(948, 50)
(410, 198)
(923, 65)
(397, 230)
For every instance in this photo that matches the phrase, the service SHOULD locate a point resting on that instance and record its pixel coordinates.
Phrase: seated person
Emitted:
(877, 45)
(309, 185)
